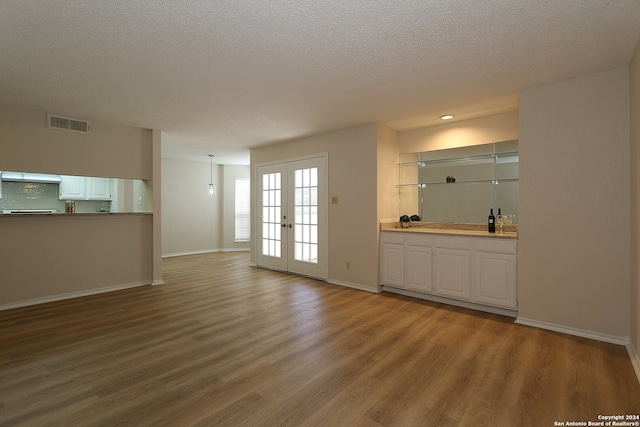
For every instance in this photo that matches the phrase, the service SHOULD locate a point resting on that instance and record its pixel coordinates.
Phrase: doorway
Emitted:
(292, 216)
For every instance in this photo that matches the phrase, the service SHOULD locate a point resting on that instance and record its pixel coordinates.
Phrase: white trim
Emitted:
(293, 159)
(73, 295)
(157, 282)
(635, 359)
(323, 238)
(573, 331)
(354, 286)
(203, 251)
(450, 301)
(236, 250)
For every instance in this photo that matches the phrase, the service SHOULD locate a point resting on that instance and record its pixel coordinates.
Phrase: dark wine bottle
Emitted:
(492, 222)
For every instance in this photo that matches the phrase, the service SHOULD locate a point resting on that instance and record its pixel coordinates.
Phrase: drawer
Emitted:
(392, 237)
(418, 239)
(506, 246)
(453, 242)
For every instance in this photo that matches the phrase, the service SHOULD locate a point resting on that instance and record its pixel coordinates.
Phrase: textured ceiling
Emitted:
(222, 76)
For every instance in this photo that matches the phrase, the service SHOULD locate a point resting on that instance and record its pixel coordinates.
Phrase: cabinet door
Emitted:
(98, 188)
(418, 268)
(73, 188)
(495, 279)
(453, 273)
(392, 268)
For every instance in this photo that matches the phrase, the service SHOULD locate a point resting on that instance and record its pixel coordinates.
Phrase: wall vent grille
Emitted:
(67, 123)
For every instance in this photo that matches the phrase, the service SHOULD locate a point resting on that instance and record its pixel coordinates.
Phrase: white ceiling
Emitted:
(220, 76)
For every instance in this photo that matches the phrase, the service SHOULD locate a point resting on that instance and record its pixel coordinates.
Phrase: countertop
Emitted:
(58, 214)
(456, 229)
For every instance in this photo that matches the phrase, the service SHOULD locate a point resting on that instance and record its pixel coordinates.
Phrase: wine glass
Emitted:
(501, 221)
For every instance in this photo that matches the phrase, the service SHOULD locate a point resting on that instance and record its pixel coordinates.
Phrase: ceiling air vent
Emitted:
(67, 123)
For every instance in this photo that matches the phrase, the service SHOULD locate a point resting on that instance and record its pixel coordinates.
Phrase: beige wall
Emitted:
(191, 218)
(60, 256)
(388, 151)
(573, 248)
(56, 257)
(107, 150)
(635, 207)
(353, 221)
(483, 130)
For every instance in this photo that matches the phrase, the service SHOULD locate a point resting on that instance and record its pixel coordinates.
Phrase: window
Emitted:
(242, 224)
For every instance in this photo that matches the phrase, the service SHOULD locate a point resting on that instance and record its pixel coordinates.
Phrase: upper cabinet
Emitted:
(85, 188)
(73, 188)
(99, 188)
(460, 184)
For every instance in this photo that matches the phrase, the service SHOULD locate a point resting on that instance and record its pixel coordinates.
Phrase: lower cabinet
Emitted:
(392, 259)
(495, 273)
(418, 266)
(453, 267)
(479, 270)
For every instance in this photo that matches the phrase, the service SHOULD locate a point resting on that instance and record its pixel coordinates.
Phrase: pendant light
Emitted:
(212, 188)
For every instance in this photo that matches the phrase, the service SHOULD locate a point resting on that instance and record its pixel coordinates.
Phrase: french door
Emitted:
(292, 217)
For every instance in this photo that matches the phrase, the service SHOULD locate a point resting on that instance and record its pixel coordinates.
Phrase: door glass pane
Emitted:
(271, 235)
(306, 217)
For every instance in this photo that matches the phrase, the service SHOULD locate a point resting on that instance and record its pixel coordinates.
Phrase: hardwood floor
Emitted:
(223, 343)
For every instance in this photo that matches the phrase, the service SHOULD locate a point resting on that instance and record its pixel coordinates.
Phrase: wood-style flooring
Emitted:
(224, 343)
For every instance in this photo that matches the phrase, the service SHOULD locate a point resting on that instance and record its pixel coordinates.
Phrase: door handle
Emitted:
(283, 225)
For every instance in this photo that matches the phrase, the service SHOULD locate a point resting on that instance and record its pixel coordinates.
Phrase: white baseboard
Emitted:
(204, 251)
(70, 295)
(635, 359)
(451, 301)
(354, 286)
(573, 331)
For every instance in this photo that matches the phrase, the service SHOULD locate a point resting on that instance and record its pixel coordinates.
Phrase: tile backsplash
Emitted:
(35, 195)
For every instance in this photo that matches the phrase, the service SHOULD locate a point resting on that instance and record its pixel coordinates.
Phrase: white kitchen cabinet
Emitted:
(98, 188)
(73, 188)
(475, 272)
(495, 264)
(418, 264)
(453, 267)
(85, 188)
(392, 256)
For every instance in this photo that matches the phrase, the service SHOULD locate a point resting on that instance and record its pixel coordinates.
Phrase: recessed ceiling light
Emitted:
(447, 117)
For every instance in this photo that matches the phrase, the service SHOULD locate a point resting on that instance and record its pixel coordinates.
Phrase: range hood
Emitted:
(30, 177)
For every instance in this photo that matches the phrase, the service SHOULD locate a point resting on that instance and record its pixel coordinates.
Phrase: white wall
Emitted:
(191, 218)
(573, 248)
(353, 221)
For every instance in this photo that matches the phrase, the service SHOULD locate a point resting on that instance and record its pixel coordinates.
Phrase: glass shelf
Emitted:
(477, 181)
(464, 160)
(486, 175)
